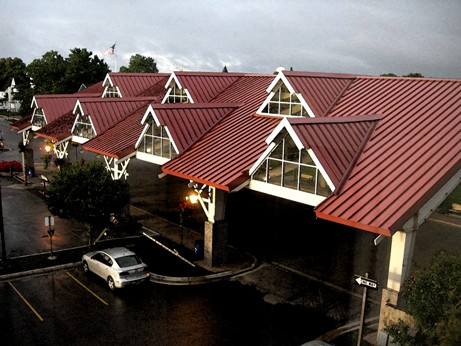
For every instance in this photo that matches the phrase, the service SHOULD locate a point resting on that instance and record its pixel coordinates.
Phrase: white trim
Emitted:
(78, 105)
(321, 169)
(261, 158)
(286, 193)
(178, 85)
(149, 110)
(281, 76)
(75, 122)
(107, 79)
(34, 101)
(158, 160)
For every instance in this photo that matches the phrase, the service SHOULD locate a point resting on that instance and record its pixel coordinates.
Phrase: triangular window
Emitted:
(83, 127)
(157, 142)
(289, 167)
(176, 94)
(283, 102)
(39, 118)
(111, 91)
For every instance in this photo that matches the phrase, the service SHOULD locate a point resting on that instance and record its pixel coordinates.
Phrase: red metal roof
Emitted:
(188, 122)
(223, 156)
(119, 140)
(320, 90)
(22, 124)
(414, 150)
(59, 129)
(55, 105)
(137, 84)
(336, 142)
(106, 112)
(204, 86)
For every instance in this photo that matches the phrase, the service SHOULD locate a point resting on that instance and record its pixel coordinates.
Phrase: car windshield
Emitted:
(128, 261)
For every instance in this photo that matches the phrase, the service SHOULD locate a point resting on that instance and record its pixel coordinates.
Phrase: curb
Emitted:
(199, 280)
(19, 275)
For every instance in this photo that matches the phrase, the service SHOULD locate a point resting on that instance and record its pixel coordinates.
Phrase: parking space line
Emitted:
(25, 301)
(81, 284)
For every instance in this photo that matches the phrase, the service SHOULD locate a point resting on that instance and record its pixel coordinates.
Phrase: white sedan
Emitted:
(118, 266)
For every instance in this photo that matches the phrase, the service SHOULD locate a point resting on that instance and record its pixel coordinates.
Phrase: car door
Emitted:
(99, 264)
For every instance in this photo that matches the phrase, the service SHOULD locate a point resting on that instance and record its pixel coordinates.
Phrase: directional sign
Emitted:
(366, 282)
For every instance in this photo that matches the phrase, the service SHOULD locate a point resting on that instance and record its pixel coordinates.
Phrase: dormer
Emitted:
(308, 159)
(83, 129)
(38, 116)
(155, 144)
(110, 89)
(283, 100)
(176, 93)
(291, 170)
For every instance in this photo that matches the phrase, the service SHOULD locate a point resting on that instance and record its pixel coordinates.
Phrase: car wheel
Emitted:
(111, 283)
(86, 269)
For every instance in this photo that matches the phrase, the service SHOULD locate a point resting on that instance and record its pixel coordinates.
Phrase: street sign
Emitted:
(366, 282)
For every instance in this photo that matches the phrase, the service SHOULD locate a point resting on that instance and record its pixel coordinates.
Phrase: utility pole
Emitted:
(2, 230)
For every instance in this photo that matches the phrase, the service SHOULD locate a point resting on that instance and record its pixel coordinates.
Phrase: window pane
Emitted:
(291, 151)
(157, 147)
(285, 94)
(156, 130)
(322, 187)
(278, 151)
(307, 181)
(165, 148)
(306, 158)
(260, 173)
(284, 109)
(275, 172)
(290, 175)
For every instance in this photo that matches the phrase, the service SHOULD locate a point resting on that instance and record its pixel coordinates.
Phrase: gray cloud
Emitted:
(355, 36)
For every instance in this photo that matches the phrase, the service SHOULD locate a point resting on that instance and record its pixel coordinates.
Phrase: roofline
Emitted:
(354, 224)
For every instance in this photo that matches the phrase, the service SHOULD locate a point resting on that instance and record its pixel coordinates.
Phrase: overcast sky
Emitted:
(355, 36)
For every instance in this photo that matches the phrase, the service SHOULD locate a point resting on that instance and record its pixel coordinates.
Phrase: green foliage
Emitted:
(433, 298)
(87, 193)
(47, 73)
(453, 197)
(140, 64)
(52, 74)
(15, 68)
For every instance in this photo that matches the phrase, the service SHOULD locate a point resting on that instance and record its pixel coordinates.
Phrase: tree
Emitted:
(433, 298)
(47, 73)
(140, 64)
(52, 74)
(15, 68)
(414, 75)
(87, 193)
(82, 68)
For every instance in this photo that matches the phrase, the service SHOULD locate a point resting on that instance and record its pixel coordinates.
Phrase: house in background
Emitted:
(7, 101)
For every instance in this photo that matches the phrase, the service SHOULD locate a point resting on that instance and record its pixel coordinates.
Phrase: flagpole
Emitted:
(115, 57)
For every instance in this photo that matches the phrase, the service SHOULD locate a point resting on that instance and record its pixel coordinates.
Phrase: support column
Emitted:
(216, 230)
(215, 243)
(402, 247)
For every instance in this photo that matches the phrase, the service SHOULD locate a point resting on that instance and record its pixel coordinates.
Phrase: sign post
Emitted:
(366, 283)
(49, 222)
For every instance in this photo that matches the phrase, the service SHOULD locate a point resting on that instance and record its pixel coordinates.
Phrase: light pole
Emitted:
(49, 222)
(2, 230)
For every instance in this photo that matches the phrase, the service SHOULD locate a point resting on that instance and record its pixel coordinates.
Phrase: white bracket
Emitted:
(117, 168)
(206, 196)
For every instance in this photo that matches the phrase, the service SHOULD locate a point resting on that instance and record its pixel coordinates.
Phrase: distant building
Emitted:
(7, 101)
